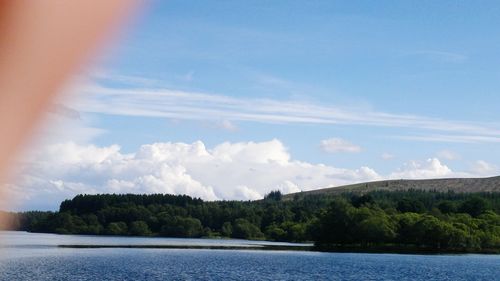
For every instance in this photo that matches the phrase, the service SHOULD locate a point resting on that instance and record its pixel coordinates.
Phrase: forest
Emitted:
(414, 219)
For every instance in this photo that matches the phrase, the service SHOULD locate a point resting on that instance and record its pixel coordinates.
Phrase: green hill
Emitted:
(459, 185)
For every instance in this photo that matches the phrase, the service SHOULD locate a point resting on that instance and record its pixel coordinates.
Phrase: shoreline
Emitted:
(402, 249)
(195, 247)
(260, 245)
(339, 249)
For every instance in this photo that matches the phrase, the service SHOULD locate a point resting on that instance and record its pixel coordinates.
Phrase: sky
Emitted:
(233, 99)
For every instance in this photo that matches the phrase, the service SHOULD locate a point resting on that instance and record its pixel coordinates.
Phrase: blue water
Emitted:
(39, 259)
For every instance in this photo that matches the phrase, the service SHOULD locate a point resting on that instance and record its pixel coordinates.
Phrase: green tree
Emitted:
(227, 229)
(433, 233)
(275, 233)
(447, 207)
(407, 232)
(336, 223)
(410, 205)
(378, 228)
(116, 228)
(183, 227)
(274, 195)
(358, 201)
(474, 206)
(243, 229)
(295, 232)
(139, 228)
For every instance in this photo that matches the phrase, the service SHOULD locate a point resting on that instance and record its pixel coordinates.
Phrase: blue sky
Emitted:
(404, 88)
(425, 58)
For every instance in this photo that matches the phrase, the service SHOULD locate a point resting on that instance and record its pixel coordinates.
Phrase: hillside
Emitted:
(459, 185)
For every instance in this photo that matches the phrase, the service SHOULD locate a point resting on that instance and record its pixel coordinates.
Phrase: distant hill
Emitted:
(459, 185)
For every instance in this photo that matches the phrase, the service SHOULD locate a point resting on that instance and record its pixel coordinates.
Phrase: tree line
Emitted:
(414, 218)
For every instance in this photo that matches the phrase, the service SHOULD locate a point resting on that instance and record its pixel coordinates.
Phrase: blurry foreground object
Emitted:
(41, 44)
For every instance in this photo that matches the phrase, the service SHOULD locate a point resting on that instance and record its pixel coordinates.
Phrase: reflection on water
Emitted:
(27, 256)
(22, 239)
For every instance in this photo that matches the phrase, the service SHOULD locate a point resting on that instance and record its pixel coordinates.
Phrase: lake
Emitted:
(29, 256)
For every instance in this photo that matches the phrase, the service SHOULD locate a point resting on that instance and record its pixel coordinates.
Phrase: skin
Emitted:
(42, 43)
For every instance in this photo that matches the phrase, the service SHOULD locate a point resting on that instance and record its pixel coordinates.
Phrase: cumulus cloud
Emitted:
(242, 171)
(431, 168)
(335, 145)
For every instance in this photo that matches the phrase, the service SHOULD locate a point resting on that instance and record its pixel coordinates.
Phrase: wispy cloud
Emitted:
(183, 105)
(227, 125)
(453, 138)
(484, 168)
(387, 156)
(65, 111)
(130, 80)
(448, 155)
(187, 77)
(335, 145)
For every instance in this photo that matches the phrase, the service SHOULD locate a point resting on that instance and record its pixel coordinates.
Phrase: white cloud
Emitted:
(65, 111)
(243, 191)
(448, 155)
(483, 168)
(432, 168)
(184, 105)
(60, 126)
(244, 171)
(334, 145)
(103, 75)
(452, 138)
(228, 125)
(387, 156)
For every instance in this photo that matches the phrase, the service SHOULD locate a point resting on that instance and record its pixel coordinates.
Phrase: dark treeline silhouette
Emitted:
(412, 219)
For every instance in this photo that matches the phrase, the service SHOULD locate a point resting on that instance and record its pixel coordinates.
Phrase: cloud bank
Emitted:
(242, 171)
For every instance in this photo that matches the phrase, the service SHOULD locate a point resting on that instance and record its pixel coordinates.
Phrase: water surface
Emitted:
(27, 256)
